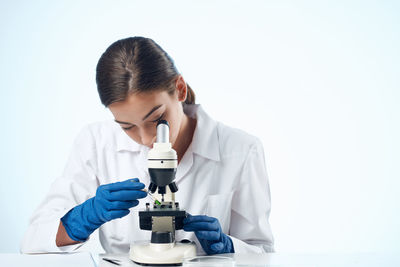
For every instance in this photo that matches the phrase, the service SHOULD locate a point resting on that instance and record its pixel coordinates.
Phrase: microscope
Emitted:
(163, 217)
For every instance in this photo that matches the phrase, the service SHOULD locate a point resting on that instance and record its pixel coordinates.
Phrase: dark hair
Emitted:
(135, 65)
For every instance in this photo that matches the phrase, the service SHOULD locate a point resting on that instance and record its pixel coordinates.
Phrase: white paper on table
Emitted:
(81, 259)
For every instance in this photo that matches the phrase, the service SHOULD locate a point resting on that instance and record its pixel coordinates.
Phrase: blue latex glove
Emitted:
(209, 233)
(112, 201)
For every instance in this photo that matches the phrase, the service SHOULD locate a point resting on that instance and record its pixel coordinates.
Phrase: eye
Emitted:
(128, 128)
(159, 118)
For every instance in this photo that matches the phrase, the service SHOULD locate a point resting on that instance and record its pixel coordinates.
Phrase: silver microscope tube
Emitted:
(162, 133)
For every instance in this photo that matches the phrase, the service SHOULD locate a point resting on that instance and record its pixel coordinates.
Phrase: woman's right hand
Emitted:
(112, 201)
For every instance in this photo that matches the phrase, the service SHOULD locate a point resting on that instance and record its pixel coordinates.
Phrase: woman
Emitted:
(221, 172)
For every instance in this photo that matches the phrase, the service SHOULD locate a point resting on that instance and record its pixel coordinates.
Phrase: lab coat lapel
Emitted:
(205, 138)
(185, 164)
(125, 143)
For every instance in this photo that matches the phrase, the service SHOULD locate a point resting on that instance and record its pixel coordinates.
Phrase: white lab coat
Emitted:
(222, 174)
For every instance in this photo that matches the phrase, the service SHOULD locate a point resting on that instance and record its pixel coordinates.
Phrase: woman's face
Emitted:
(139, 113)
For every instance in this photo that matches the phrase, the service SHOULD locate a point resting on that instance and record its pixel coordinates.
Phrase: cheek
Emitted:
(134, 134)
(174, 131)
(173, 135)
(174, 125)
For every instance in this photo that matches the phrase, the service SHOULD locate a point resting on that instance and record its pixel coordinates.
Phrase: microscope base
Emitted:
(161, 254)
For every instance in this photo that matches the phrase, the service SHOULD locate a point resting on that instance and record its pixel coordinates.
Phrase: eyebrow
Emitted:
(145, 117)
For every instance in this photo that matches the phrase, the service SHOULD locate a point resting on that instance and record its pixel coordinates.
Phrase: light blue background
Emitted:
(317, 81)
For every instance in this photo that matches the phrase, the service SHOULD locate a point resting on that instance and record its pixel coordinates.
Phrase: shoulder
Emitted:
(98, 134)
(236, 142)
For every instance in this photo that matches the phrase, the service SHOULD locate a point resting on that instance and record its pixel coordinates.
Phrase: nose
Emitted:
(147, 138)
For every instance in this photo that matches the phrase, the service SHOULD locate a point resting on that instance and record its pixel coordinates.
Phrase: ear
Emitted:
(181, 88)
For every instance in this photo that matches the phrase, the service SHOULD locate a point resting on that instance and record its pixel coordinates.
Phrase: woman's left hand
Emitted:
(209, 233)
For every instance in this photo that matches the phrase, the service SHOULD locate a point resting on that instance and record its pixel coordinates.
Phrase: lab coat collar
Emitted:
(125, 143)
(205, 138)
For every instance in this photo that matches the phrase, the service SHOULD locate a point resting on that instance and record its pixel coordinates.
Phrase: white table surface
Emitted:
(291, 259)
(250, 260)
(81, 259)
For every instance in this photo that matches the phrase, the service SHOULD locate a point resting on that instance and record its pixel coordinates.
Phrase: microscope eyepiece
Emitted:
(162, 132)
(162, 122)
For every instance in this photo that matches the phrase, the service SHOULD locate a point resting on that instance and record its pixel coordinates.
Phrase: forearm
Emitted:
(62, 238)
